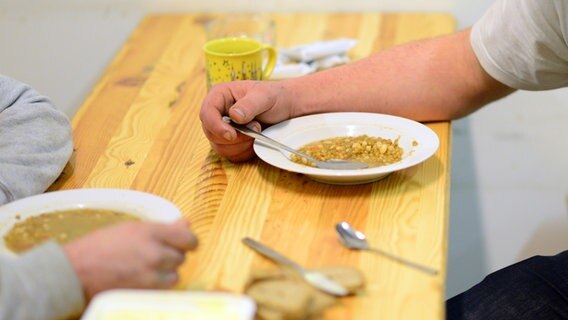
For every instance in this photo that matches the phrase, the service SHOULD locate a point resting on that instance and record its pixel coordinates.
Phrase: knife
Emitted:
(316, 279)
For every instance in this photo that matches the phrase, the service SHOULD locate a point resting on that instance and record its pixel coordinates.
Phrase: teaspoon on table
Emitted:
(355, 239)
(314, 278)
(329, 164)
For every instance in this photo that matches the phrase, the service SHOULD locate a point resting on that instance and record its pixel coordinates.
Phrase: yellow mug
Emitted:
(238, 58)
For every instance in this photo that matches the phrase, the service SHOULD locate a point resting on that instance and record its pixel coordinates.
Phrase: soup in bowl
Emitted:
(63, 216)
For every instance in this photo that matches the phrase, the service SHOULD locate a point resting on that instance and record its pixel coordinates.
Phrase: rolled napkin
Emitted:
(307, 58)
(329, 62)
(318, 50)
(291, 70)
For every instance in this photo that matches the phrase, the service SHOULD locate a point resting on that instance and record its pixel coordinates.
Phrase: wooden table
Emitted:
(139, 129)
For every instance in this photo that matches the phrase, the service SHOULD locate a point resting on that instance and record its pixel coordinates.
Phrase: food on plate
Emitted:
(61, 226)
(373, 151)
(280, 294)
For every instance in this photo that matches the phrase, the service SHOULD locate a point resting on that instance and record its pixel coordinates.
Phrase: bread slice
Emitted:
(350, 278)
(288, 297)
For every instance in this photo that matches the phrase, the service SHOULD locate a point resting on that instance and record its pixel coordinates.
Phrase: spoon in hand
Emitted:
(355, 239)
(329, 164)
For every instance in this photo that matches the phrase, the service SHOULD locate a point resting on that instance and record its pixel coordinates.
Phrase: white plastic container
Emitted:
(169, 305)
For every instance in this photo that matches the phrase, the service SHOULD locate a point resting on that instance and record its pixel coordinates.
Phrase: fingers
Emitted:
(148, 257)
(241, 100)
(240, 138)
(235, 153)
(237, 150)
(254, 125)
(214, 106)
(218, 130)
(170, 254)
(256, 100)
(165, 271)
(177, 235)
(169, 259)
(158, 262)
(164, 280)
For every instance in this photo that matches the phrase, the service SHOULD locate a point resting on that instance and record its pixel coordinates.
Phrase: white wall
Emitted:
(466, 11)
(509, 186)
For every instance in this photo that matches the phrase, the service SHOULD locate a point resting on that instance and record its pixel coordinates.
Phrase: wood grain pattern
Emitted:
(139, 129)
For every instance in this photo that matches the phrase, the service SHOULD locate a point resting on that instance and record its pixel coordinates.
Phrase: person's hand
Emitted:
(131, 255)
(246, 102)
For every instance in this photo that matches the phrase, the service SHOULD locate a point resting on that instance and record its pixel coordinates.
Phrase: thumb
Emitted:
(178, 235)
(251, 105)
(182, 222)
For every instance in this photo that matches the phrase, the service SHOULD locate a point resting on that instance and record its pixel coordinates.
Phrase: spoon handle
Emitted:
(251, 133)
(269, 253)
(406, 262)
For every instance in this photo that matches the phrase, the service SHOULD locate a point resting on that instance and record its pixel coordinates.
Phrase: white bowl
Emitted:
(417, 140)
(141, 204)
(125, 304)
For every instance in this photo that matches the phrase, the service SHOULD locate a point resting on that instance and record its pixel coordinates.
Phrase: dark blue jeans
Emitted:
(535, 288)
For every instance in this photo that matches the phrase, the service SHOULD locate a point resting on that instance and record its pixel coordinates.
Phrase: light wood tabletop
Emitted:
(139, 129)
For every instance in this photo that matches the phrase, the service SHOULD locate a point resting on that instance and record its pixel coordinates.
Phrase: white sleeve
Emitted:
(523, 43)
(35, 141)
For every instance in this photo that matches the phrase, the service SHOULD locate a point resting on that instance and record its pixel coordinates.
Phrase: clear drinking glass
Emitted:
(257, 26)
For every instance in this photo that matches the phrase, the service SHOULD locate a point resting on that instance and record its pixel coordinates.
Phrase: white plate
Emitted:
(300, 131)
(125, 304)
(144, 205)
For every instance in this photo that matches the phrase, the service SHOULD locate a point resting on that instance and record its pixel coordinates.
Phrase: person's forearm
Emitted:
(436, 79)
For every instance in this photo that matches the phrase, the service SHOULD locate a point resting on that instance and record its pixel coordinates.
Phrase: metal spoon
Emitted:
(329, 164)
(314, 278)
(355, 239)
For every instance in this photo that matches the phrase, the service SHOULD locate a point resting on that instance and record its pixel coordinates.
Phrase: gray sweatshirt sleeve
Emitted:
(40, 284)
(35, 141)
